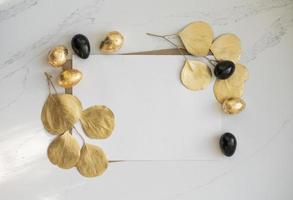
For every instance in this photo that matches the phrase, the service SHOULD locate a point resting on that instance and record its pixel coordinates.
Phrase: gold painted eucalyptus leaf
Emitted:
(195, 75)
(224, 90)
(98, 122)
(197, 38)
(93, 161)
(64, 151)
(60, 112)
(239, 76)
(227, 47)
(233, 87)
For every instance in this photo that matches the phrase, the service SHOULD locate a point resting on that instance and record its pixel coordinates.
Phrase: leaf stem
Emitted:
(213, 62)
(165, 37)
(82, 138)
(50, 83)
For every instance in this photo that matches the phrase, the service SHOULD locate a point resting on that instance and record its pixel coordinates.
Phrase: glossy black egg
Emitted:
(81, 46)
(228, 144)
(224, 69)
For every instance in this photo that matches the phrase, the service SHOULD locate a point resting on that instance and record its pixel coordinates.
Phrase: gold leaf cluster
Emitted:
(59, 115)
(198, 40)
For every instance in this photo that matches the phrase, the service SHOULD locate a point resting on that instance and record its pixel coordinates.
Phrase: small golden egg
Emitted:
(233, 105)
(69, 78)
(113, 42)
(57, 56)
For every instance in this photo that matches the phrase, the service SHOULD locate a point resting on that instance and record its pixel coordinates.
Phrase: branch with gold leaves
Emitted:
(198, 40)
(59, 115)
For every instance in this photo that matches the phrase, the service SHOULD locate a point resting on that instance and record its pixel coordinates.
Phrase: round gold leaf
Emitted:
(197, 38)
(195, 75)
(239, 76)
(224, 90)
(227, 47)
(97, 122)
(93, 161)
(60, 112)
(64, 151)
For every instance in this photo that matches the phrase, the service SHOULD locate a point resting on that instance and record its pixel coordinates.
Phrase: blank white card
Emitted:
(157, 118)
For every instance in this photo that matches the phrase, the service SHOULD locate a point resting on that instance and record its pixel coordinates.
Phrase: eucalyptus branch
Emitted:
(213, 62)
(165, 37)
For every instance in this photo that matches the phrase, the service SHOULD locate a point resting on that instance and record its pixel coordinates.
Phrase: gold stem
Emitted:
(49, 77)
(83, 140)
(211, 61)
(165, 37)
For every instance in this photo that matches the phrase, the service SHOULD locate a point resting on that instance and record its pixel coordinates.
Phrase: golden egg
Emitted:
(69, 78)
(113, 42)
(57, 56)
(233, 105)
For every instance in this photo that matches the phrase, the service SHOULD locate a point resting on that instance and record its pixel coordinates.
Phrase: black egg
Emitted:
(224, 69)
(228, 144)
(81, 46)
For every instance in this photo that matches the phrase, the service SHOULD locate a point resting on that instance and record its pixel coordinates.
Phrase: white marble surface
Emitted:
(262, 168)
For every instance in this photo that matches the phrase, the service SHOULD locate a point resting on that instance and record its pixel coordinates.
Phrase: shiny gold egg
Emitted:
(233, 105)
(57, 56)
(69, 78)
(113, 42)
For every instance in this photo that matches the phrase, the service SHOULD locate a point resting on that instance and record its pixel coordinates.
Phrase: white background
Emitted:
(156, 117)
(262, 167)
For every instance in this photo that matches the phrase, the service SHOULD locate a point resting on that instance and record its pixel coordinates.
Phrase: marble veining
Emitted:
(39, 48)
(236, 13)
(239, 164)
(271, 37)
(76, 16)
(15, 9)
